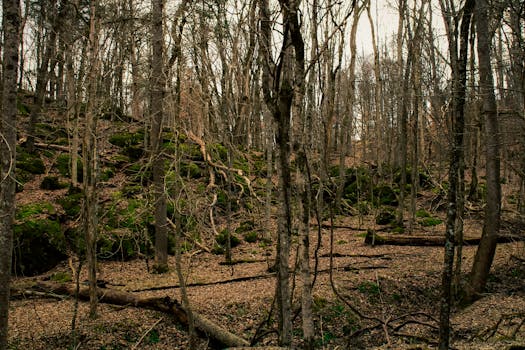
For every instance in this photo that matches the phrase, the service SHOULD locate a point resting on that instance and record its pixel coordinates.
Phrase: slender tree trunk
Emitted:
(458, 65)
(90, 158)
(10, 30)
(157, 117)
(487, 247)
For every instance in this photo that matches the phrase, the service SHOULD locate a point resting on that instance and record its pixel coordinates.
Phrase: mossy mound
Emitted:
(385, 218)
(385, 195)
(71, 202)
(30, 162)
(63, 165)
(52, 183)
(222, 239)
(39, 243)
(130, 142)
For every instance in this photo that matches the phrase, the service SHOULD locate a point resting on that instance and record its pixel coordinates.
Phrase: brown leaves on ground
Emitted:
(398, 285)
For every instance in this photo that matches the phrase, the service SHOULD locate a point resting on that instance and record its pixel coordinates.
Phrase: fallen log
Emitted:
(218, 335)
(373, 238)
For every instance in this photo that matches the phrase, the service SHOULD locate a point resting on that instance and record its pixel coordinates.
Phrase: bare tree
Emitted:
(10, 28)
(90, 159)
(487, 247)
(458, 57)
(157, 116)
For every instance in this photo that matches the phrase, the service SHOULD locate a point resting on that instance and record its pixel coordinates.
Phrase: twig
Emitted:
(146, 333)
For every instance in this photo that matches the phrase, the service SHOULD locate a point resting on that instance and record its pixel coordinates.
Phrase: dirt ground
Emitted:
(396, 285)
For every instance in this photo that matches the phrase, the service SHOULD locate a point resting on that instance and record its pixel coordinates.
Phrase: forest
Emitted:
(262, 174)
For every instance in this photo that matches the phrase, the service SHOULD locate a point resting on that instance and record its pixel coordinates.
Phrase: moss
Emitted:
(23, 109)
(39, 243)
(107, 174)
(32, 163)
(33, 209)
(242, 164)
(190, 170)
(22, 177)
(61, 277)
(385, 195)
(422, 213)
(63, 165)
(245, 226)
(397, 229)
(52, 183)
(369, 288)
(127, 139)
(251, 237)
(50, 132)
(385, 218)
(217, 249)
(430, 221)
(71, 202)
(190, 151)
(117, 244)
(133, 152)
(222, 239)
(218, 151)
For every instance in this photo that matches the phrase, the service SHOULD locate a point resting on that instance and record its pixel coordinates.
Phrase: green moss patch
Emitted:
(39, 243)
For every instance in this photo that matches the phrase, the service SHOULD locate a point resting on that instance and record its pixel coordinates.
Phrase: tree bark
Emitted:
(157, 116)
(90, 158)
(10, 29)
(458, 66)
(487, 248)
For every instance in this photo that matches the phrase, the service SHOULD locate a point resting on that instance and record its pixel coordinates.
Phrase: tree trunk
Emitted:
(458, 65)
(487, 248)
(10, 28)
(90, 158)
(157, 116)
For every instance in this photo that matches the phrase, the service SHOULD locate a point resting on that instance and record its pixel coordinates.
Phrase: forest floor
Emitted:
(394, 285)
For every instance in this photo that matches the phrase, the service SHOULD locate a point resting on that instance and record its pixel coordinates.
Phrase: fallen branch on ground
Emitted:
(372, 238)
(218, 335)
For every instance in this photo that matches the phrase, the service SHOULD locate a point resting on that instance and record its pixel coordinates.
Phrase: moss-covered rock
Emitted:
(52, 183)
(71, 202)
(385, 218)
(39, 243)
(385, 195)
(251, 236)
(127, 139)
(63, 165)
(30, 162)
(222, 239)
